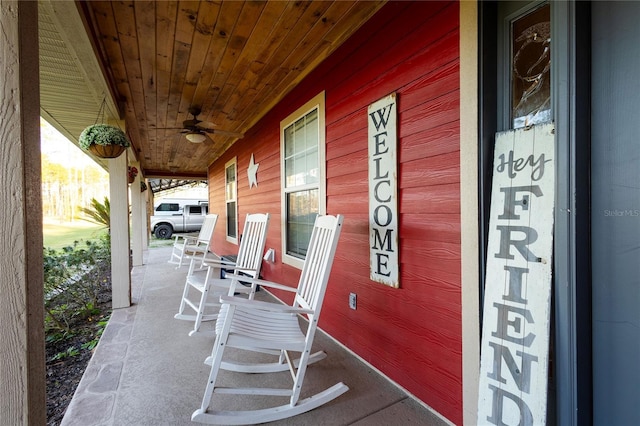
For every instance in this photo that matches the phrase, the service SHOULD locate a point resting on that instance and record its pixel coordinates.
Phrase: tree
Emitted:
(99, 213)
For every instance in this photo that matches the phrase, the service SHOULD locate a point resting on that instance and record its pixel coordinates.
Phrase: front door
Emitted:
(615, 212)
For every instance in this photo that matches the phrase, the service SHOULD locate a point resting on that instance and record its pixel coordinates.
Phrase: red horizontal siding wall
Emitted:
(412, 334)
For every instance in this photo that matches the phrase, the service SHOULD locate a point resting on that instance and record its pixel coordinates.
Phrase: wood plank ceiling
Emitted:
(233, 59)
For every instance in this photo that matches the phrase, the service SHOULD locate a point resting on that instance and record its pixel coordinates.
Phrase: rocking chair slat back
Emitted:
(252, 244)
(315, 272)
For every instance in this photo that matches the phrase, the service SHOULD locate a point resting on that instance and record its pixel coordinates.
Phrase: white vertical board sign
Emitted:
(515, 328)
(383, 192)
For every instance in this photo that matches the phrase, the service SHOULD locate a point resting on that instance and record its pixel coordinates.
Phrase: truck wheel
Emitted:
(163, 232)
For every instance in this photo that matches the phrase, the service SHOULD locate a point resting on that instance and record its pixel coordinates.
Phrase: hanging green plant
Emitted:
(104, 140)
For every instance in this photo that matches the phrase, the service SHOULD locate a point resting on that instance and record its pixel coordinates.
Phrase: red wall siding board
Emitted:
(351, 203)
(426, 28)
(442, 256)
(432, 199)
(436, 170)
(435, 227)
(412, 334)
(431, 86)
(426, 272)
(341, 145)
(385, 82)
(392, 344)
(354, 162)
(397, 333)
(355, 123)
(441, 110)
(434, 141)
(360, 51)
(344, 185)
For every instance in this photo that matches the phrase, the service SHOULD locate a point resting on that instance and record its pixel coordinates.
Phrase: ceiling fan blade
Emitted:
(225, 133)
(190, 123)
(205, 125)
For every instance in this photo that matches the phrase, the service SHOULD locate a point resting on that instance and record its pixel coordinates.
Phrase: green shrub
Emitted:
(73, 278)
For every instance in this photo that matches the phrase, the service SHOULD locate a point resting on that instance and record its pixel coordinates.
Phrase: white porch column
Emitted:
(469, 210)
(137, 226)
(119, 217)
(144, 218)
(22, 368)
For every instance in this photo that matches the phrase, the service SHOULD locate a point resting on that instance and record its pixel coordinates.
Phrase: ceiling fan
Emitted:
(196, 130)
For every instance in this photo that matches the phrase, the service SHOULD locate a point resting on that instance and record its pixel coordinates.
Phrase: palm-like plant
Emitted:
(98, 212)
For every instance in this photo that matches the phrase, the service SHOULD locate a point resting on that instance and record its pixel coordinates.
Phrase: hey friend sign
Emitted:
(515, 330)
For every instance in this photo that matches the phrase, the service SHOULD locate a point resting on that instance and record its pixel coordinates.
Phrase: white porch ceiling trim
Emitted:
(72, 85)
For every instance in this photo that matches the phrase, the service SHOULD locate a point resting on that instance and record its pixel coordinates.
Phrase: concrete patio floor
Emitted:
(146, 370)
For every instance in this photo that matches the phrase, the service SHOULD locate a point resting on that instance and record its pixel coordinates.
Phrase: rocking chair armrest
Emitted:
(263, 283)
(218, 262)
(263, 306)
(187, 240)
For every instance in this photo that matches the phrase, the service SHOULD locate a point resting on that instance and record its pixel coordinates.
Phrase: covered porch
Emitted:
(143, 372)
(147, 370)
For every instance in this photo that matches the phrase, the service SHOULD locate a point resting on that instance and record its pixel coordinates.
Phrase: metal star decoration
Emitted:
(252, 173)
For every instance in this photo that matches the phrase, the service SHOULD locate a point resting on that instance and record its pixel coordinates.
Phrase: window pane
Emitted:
(301, 151)
(311, 136)
(168, 207)
(530, 68)
(231, 173)
(302, 209)
(312, 167)
(288, 138)
(289, 172)
(231, 182)
(232, 226)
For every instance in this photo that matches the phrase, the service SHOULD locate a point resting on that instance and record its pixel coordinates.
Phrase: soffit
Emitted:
(72, 88)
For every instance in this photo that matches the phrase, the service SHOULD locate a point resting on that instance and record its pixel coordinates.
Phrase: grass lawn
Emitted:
(58, 235)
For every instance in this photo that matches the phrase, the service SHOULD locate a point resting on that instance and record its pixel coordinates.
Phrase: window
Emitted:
(302, 162)
(230, 195)
(168, 207)
(530, 68)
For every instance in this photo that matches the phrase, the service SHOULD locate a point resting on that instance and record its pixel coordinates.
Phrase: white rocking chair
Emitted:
(196, 247)
(209, 285)
(261, 326)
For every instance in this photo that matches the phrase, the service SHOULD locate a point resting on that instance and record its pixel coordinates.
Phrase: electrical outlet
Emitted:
(352, 300)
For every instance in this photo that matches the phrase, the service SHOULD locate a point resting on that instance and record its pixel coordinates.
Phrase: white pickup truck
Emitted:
(188, 219)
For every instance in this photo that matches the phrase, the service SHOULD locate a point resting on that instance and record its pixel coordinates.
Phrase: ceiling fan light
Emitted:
(195, 137)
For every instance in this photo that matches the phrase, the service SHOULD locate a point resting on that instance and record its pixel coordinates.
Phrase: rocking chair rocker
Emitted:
(194, 247)
(262, 326)
(208, 284)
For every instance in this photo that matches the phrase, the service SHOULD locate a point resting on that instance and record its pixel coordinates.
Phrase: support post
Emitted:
(22, 367)
(137, 226)
(119, 217)
(469, 212)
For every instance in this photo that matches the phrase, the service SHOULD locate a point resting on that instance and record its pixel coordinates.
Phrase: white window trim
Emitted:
(318, 102)
(234, 162)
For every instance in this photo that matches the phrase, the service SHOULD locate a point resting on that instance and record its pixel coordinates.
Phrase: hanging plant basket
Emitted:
(104, 141)
(106, 151)
(132, 172)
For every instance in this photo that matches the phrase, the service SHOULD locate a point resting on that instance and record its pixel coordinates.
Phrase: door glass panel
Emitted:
(530, 68)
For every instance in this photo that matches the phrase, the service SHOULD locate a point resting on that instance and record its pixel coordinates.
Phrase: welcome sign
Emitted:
(383, 191)
(515, 329)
